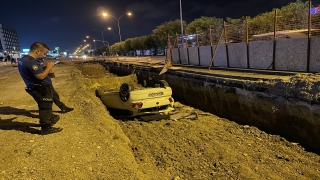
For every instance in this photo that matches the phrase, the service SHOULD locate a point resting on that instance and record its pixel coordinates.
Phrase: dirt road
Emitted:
(94, 145)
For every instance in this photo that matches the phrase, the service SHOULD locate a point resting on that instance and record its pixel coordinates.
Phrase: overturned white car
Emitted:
(130, 102)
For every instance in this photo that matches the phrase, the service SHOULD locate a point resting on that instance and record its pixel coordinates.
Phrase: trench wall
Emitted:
(252, 105)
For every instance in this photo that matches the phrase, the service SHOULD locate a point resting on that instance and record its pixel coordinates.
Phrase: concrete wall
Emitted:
(175, 55)
(193, 55)
(260, 54)
(184, 55)
(237, 55)
(220, 58)
(291, 54)
(315, 55)
(205, 55)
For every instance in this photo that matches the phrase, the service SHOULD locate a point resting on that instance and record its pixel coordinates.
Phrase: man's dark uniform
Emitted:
(41, 90)
(56, 97)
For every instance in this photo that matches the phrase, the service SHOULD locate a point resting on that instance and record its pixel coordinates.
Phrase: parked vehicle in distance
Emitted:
(138, 102)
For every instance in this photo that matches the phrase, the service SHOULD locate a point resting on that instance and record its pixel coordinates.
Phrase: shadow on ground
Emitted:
(7, 110)
(10, 124)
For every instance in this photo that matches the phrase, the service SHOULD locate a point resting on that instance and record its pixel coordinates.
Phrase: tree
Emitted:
(236, 30)
(136, 44)
(292, 16)
(201, 27)
(104, 49)
(118, 48)
(151, 44)
(128, 45)
(167, 28)
(203, 24)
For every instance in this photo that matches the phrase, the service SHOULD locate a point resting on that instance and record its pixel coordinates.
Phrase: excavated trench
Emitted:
(289, 107)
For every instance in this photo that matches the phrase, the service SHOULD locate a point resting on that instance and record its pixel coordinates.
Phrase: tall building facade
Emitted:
(9, 43)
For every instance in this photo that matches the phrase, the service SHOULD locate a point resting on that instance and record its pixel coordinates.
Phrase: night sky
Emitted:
(67, 23)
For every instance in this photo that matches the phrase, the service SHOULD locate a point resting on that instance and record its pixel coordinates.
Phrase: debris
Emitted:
(192, 116)
(169, 61)
(168, 111)
(166, 67)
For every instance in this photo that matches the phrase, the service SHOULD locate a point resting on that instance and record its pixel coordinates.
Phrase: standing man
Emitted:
(39, 85)
(56, 97)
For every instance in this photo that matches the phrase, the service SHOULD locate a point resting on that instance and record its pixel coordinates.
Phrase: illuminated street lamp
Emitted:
(109, 28)
(118, 19)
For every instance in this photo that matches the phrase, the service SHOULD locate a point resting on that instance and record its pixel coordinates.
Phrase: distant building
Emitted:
(9, 43)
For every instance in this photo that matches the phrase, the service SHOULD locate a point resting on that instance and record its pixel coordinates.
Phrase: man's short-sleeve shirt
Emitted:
(29, 67)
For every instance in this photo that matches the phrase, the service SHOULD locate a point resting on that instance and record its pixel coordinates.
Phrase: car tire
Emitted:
(124, 92)
(163, 83)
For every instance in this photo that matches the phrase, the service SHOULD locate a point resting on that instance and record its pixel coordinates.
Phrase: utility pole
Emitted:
(182, 38)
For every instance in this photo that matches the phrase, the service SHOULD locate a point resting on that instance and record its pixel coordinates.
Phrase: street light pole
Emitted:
(103, 42)
(182, 38)
(109, 28)
(90, 51)
(83, 49)
(118, 20)
(95, 47)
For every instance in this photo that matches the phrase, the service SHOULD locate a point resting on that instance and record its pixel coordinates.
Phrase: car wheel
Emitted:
(125, 91)
(163, 83)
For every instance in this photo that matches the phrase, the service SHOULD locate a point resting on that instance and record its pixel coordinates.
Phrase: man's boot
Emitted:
(66, 109)
(49, 130)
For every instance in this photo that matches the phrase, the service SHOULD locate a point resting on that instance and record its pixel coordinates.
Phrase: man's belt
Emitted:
(40, 88)
(30, 88)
